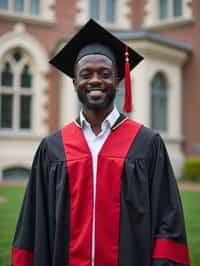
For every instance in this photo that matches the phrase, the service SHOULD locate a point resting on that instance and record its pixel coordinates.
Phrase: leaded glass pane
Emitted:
(26, 78)
(6, 111)
(25, 112)
(7, 76)
(3, 4)
(177, 4)
(35, 7)
(110, 10)
(19, 5)
(94, 9)
(163, 9)
(159, 103)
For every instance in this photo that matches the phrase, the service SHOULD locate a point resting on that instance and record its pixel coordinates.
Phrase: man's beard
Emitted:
(95, 105)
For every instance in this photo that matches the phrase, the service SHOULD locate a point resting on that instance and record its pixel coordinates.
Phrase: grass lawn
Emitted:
(8, 216)
(14, 194)
(191, 205)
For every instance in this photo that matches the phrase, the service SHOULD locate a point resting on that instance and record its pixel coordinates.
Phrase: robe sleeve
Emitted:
(30, 243)
(169, 237)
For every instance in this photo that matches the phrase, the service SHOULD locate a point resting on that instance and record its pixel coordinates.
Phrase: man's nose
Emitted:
(95, 79)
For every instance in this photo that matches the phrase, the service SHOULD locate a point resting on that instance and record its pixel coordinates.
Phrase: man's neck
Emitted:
(95, 118)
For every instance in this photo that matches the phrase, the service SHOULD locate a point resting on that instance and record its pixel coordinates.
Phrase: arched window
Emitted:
(16, 91)
(16, 173)
(159, 103)
(103, 10)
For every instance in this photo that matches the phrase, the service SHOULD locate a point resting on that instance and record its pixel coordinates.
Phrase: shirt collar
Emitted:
(111, 118)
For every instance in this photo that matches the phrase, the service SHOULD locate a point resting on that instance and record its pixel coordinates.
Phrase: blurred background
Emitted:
(36, 100)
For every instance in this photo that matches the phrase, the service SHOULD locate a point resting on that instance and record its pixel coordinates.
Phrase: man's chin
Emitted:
(96, 106)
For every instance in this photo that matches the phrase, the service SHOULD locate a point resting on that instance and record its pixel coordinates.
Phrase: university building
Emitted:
(36, 100)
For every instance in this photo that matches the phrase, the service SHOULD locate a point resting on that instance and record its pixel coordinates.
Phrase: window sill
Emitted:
(115, 26)
(6, 15)
(19, 135)
(169, 23)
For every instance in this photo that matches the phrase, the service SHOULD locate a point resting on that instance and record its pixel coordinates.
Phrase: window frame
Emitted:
(102, 12)
(46, 15)
(152, 18)
(163, 91)
(26, 8)
(169, 11)
(17, 91)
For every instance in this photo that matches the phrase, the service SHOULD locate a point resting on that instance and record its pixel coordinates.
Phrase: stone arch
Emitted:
(16, 172)
(164, 74)
(19, 38)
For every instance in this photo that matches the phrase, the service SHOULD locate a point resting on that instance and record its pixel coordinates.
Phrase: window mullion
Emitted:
(11, 5)
(103, 10)
(26, 6)
(16, 114)
(170, 8)
(15, 111)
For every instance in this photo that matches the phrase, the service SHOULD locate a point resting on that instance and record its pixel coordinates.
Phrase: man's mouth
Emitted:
(95, 92)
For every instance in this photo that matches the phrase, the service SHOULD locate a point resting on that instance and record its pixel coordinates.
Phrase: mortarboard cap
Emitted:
(93, 33)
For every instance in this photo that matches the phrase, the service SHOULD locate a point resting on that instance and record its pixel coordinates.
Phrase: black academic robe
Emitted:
(138, 213)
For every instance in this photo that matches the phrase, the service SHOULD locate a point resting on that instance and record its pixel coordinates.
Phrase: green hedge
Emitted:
(191, 169)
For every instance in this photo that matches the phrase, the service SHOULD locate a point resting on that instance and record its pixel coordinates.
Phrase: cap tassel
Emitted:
(128, 97)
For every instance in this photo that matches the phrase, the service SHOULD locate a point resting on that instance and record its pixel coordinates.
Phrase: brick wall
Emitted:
(48, 35)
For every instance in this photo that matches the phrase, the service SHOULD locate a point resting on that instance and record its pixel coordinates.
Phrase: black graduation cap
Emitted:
(93, 33)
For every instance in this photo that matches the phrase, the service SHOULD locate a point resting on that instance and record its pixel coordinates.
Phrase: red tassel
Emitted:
(128, 97)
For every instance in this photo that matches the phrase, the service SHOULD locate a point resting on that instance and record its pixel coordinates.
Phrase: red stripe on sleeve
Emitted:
(168, 249)
(22, 257)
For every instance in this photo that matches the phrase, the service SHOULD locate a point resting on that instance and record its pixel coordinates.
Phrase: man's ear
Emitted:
(75, 84)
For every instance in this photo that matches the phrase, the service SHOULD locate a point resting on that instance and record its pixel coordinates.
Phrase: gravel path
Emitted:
(189, 186)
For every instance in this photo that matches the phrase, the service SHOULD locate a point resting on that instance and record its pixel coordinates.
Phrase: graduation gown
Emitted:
(138, 214)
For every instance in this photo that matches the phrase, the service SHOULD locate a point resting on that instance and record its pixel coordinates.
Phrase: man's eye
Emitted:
(85, 75)
(106, 74)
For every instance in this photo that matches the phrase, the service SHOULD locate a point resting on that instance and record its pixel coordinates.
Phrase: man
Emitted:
(101, 191)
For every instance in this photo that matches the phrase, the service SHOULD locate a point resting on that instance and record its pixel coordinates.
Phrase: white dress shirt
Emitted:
(95, 142)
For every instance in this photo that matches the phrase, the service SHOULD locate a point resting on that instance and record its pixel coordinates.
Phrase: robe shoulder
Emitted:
(146, 144)
(52, 147)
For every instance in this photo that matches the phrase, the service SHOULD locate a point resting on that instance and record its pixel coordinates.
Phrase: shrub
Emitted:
(191, 169)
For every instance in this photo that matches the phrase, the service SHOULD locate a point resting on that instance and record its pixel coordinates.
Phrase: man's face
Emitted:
(95, 82)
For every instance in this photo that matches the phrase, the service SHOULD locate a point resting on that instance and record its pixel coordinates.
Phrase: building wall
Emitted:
(17, 148)
(188, 31)
(48, 35)
(58, 107)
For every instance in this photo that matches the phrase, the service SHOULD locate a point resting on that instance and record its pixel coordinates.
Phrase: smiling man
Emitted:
(101, 191)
